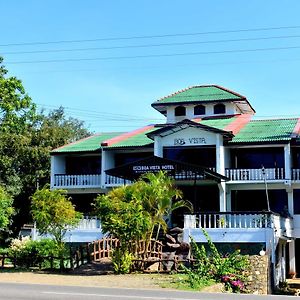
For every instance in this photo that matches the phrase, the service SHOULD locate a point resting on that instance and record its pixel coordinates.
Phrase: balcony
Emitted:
(255, 174)
(87, 230)
(237, 226)
(113, 181)
(77, 181)
(296, 174)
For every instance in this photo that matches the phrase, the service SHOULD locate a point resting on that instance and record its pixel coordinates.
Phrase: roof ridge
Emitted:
(274, 119)
(229, 91)
(199, 86)
(125, 136)
(238, 123)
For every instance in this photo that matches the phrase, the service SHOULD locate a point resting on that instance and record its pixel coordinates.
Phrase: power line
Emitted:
(90, 113)
(152, 36)
(150, 45)
(153, 55)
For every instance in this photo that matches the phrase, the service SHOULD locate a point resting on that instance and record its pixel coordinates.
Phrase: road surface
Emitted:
(22, 291)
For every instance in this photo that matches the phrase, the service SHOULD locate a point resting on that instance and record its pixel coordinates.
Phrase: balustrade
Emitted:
(92, 180)
(255, 174)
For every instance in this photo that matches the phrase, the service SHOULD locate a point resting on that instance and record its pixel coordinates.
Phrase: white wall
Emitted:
(231, 109)
(58, 166)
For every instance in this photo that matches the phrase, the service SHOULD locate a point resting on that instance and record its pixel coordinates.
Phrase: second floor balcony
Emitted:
(269, 174)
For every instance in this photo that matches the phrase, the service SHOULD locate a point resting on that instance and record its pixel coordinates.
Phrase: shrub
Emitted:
(122, 261)
(228, 269)
(33, 253)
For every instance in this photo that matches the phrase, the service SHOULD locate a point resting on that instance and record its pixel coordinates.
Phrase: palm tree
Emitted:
(160, 198)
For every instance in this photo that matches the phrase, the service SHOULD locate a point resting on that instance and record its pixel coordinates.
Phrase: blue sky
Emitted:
(245, 46)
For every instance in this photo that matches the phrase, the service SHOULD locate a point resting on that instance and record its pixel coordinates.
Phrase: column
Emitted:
(287, 162)
(222, 196)
(220, 155)
(292, 262)
(290, 201)
(158, 148)
(220, 168)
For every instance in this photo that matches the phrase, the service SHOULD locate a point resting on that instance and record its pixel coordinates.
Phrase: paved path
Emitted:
(18, 291)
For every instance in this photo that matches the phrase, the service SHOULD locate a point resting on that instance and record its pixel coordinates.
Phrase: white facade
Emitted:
(226, 224)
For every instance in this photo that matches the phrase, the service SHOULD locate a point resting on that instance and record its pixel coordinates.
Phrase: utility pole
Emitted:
(263, 171)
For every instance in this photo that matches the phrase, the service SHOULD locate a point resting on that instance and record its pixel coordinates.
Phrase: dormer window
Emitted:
(180, 111)
(199, 110)
(219, 109)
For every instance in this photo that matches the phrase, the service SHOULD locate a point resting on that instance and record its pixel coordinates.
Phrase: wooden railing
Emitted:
(104, 248)
(235, 220)
(255, 174)
(63, 181)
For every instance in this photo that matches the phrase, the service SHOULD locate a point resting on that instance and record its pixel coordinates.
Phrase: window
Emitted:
(219, 109)
(179, 111)
(199, 110)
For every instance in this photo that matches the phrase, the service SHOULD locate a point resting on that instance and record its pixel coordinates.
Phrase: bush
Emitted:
(228, 269)
(33, 253)
(122, 261)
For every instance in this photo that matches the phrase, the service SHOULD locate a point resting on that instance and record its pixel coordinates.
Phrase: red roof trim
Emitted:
(125, 136)
(296, 130)
(239, 123)
(78, 141)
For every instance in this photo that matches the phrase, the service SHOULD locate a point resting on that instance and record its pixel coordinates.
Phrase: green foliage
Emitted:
(160, 197)
(211, 265)
(53, 213)
(30, 136)
(122, 261)
(34, 253)
(131, 213)
(6, 209)
(122, 215)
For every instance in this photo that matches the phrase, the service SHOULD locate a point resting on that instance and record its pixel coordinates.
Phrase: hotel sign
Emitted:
(190, 141)
(145, 168)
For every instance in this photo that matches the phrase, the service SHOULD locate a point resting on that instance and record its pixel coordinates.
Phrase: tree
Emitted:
(123, 216)
(26, 139)
(132, 212)
(160, 198)
(53, 213)
(6, 209)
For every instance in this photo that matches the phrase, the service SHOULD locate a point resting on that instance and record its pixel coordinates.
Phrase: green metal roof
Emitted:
(203, 93)
(218, 123)
(257, 131)
(138, 140)
(92, 143)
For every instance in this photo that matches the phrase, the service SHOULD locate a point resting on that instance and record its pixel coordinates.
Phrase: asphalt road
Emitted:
(18, 291)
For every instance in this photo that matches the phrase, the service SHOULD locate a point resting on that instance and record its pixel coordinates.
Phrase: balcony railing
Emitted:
(255, 174)
(88, 223)
(115, 181)
(237, 220)
(77, 181)
(296, 174)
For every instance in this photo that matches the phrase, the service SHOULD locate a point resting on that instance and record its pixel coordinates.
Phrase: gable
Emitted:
(190, 136)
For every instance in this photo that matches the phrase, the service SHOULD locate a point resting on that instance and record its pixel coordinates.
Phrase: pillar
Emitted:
(292, 262)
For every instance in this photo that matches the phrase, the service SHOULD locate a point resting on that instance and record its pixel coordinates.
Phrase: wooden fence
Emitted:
(104, 248)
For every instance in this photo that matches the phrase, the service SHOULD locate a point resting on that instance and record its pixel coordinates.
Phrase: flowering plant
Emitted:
(232, 283)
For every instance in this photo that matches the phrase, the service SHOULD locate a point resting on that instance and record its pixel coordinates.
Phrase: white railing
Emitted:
(92, 180)
(255, 174)
(236, 220)
(88, 223)
(296, 174)
(115, 181)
